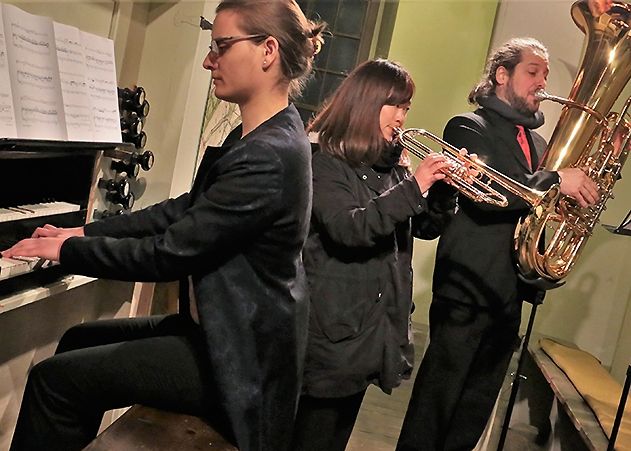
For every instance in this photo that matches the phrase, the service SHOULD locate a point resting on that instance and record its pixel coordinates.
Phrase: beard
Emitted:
(518, 102)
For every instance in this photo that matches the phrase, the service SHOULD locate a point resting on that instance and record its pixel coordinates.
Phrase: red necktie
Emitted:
(523, 143)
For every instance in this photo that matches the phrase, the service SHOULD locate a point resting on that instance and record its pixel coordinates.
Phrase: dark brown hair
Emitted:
(348, 125)
(299, 39)
(508, 55)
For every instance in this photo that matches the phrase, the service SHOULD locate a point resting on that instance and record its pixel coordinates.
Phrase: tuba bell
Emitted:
(589, 136)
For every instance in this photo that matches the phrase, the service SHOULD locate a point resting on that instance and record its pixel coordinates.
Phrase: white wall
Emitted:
(170, 70)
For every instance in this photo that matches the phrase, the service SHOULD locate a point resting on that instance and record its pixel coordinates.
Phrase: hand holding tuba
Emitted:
(588, 135)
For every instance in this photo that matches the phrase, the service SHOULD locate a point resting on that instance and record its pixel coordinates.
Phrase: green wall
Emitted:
(443, 43)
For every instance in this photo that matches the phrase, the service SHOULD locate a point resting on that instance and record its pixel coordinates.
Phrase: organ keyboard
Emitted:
(46, 182)
(11, 267)
(28, 211)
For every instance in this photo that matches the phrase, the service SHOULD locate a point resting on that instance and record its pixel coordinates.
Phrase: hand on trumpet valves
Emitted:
(431, 169)
(576, 184)
(465, 167)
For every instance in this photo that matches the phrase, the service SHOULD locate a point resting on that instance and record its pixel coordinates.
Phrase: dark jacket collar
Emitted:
(236, 134)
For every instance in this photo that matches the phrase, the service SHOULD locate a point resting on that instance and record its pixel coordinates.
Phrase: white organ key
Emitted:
(36, 210)
(9, 215)
(32, 262)
(10, 267)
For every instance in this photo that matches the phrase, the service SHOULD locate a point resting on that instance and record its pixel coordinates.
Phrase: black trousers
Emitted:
(325, 424)
(460, 376)
(157, 361)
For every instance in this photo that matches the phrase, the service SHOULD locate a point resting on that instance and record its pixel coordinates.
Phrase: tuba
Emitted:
(589, 136)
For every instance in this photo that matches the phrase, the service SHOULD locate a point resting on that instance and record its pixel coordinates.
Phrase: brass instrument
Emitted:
(585, 122)
(476, 188)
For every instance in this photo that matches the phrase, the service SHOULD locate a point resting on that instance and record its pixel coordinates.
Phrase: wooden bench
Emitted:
(145, 428)
(574, 406)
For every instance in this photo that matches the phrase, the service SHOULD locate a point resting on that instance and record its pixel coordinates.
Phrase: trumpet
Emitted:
(476, 187)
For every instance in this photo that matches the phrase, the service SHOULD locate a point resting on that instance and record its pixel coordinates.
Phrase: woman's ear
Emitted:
(270, 51)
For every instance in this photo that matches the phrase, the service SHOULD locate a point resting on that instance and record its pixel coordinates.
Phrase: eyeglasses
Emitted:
(205, 24)
(219, 45)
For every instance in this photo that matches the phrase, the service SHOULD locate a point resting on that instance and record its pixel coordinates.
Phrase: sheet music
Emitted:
(33, 68)
(74, 87)
(102, 89)
(7, 112)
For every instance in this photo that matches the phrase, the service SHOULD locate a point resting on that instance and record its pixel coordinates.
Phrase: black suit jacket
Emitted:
(239, 234)
(475, 262)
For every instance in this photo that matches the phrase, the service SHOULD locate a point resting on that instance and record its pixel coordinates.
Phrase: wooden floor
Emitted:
(381, 415)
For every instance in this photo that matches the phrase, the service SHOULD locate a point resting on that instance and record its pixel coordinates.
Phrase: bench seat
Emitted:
(577, 410)
(145, 428)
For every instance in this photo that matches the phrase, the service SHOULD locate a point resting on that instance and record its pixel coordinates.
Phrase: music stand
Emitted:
(620, 411)
(518, 376)
(624, 228)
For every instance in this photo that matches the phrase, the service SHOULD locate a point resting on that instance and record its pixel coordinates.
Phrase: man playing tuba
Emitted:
(476, 309)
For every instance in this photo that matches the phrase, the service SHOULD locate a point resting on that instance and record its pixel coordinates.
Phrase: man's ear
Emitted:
(501, 75)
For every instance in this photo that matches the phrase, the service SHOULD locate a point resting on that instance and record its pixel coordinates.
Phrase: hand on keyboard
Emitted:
(46, 248)
(51, 231)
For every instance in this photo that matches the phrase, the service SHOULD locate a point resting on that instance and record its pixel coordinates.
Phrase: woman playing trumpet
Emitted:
(367, 208)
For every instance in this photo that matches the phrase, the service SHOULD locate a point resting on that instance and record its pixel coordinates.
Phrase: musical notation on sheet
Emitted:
(102, 88)
(56, 81)
(7, 112)
(74, 87)
(34, 74)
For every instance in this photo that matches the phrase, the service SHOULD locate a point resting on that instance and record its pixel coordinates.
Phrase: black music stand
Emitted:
(620, 411)
(518, 376)
(623, 229)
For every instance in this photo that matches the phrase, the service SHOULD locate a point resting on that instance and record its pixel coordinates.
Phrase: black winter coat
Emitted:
(358, 260)
(239, 233)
